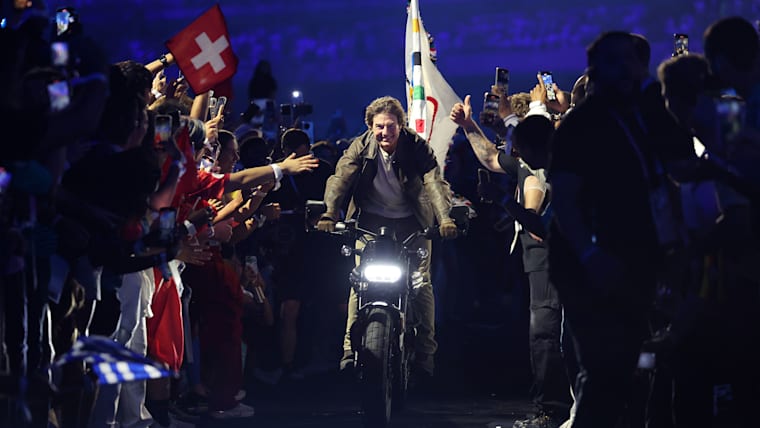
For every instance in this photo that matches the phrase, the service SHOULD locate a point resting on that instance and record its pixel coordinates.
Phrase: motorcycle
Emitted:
(382, 338)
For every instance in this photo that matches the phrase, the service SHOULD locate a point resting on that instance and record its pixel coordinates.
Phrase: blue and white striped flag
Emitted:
(113, 362)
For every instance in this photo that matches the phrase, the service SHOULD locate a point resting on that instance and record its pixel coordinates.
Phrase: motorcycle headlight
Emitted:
(382, 273)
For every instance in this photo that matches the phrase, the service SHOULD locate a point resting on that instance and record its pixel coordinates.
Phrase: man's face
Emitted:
(228, 157)
(386, 129)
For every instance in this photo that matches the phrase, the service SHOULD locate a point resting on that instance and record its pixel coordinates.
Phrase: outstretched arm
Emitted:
(252, 177)
(486, 152)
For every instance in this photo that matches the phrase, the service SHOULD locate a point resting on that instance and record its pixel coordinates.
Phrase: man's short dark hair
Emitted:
(684, 76)
(643, 49)
(595, 50)
(735, 39)
(138, 78)
(254, 151)
(535, 131)
(294, 138)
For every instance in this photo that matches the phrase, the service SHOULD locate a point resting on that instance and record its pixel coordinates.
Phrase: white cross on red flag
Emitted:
(203, 51)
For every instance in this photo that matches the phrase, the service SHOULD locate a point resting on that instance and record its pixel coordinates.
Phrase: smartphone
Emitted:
(680, 44)
(491, 102)
(484, 177)
(62, 20)
(731, 112)
(163, 128)
(221, 103)
(502, 79)
(59, 53)
(167, 220)
(212, 106)
(548, 79)
(58, 94)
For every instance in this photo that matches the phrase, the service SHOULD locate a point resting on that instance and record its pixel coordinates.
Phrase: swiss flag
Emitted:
(203, 51)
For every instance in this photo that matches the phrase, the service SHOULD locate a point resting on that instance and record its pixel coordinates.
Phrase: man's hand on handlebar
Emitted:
(326, 224)
(448, 229)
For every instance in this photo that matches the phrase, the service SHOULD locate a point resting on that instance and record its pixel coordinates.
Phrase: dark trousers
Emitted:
(608, 330)
(551, 388)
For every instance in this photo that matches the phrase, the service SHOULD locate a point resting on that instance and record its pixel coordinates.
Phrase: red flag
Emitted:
(203, 51)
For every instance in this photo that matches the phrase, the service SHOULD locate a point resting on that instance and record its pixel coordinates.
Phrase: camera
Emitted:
(296, 110)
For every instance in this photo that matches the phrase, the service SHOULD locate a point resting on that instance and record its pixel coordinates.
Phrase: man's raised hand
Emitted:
(461, 113)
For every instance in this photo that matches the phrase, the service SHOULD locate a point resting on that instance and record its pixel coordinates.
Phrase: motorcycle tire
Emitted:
(401, 374)
(376, 377)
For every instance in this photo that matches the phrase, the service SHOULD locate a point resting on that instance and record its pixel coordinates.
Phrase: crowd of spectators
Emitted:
(134, 209)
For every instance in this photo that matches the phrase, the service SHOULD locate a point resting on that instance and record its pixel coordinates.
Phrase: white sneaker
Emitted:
(239, 411)
(240, 395)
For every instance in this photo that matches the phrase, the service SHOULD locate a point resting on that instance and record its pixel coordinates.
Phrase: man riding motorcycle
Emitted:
(392, 179)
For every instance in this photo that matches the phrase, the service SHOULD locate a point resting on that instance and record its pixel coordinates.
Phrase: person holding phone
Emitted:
(608, 234)
(546, 94)
(529, 207)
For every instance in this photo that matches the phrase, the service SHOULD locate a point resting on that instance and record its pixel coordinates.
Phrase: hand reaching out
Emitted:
(293, 165)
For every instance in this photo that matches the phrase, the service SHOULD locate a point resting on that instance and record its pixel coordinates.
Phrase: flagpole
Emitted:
(417, 113)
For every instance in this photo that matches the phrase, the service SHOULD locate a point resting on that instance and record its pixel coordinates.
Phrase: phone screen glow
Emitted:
(58, 93)
(549, 84)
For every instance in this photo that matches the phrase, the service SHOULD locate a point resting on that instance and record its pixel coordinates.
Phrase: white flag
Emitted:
(429, 96)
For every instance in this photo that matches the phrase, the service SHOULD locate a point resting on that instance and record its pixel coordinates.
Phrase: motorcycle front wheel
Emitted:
(375, 382)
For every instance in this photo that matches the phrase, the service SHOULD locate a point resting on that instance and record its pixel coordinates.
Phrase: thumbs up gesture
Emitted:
(461, 114)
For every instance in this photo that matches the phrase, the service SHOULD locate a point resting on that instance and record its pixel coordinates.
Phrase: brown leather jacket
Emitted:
(417, 170)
